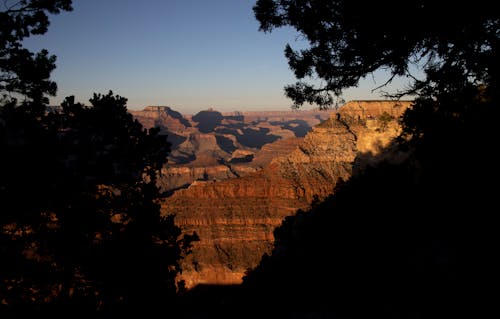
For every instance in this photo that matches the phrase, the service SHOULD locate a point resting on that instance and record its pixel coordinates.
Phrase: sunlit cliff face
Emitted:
(235, 218)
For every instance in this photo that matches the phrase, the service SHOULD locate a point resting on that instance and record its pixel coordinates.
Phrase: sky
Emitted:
(190, 55)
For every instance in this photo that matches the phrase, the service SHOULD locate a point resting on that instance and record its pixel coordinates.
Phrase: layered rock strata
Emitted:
(215, 146)
(235, 218)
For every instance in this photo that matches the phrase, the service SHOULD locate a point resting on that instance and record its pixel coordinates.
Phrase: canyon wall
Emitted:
(235, 218)
(211, 145)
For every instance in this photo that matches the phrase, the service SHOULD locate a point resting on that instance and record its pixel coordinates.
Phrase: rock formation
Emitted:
(235, 218)
(215, 146)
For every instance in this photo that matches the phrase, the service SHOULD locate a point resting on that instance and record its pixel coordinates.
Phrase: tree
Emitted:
(80, 222)
(125, 247)
(348, 41)
(23, 73)
(24, 142)
(412, 239)
(93, 235)
(384, 119)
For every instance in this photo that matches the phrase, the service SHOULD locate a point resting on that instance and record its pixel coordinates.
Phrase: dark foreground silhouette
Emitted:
(410, 240)
(80, 225)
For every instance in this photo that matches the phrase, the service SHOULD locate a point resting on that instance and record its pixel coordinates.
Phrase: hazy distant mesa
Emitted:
(211, 145)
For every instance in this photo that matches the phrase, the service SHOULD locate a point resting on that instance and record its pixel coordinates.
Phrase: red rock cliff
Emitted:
(235, 218)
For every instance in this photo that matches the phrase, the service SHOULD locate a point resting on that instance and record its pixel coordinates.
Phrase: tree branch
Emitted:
(385, 84)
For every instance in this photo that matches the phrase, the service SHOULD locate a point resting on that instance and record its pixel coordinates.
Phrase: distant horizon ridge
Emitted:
(236, 112)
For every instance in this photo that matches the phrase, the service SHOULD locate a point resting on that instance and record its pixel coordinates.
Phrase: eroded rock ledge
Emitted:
(235, 218)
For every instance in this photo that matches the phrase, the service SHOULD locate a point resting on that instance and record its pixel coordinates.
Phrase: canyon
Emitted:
(235, 205)
(211, 145)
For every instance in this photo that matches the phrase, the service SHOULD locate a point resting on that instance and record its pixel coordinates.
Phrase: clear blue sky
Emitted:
(187, 54)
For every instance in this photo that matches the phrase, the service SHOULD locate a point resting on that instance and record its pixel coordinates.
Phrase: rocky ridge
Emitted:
(235, 218)
(216, 146)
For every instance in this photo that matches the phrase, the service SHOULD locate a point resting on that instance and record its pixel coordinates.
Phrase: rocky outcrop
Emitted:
(214, 146)
(176, 177)
(373, 109)
(235, 218)
(163, 117)
(310, 117)
(274, 150)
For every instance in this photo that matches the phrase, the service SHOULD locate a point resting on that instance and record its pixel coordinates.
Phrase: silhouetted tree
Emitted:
(348, 41)
(80, 223)
(406, 240)
(89, 233)
(24, 73)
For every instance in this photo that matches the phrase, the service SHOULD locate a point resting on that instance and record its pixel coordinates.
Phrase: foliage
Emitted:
(80, 223)
(21, 71)
(348, 41)
(384, 120)
(92, 225)
(411, 238)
